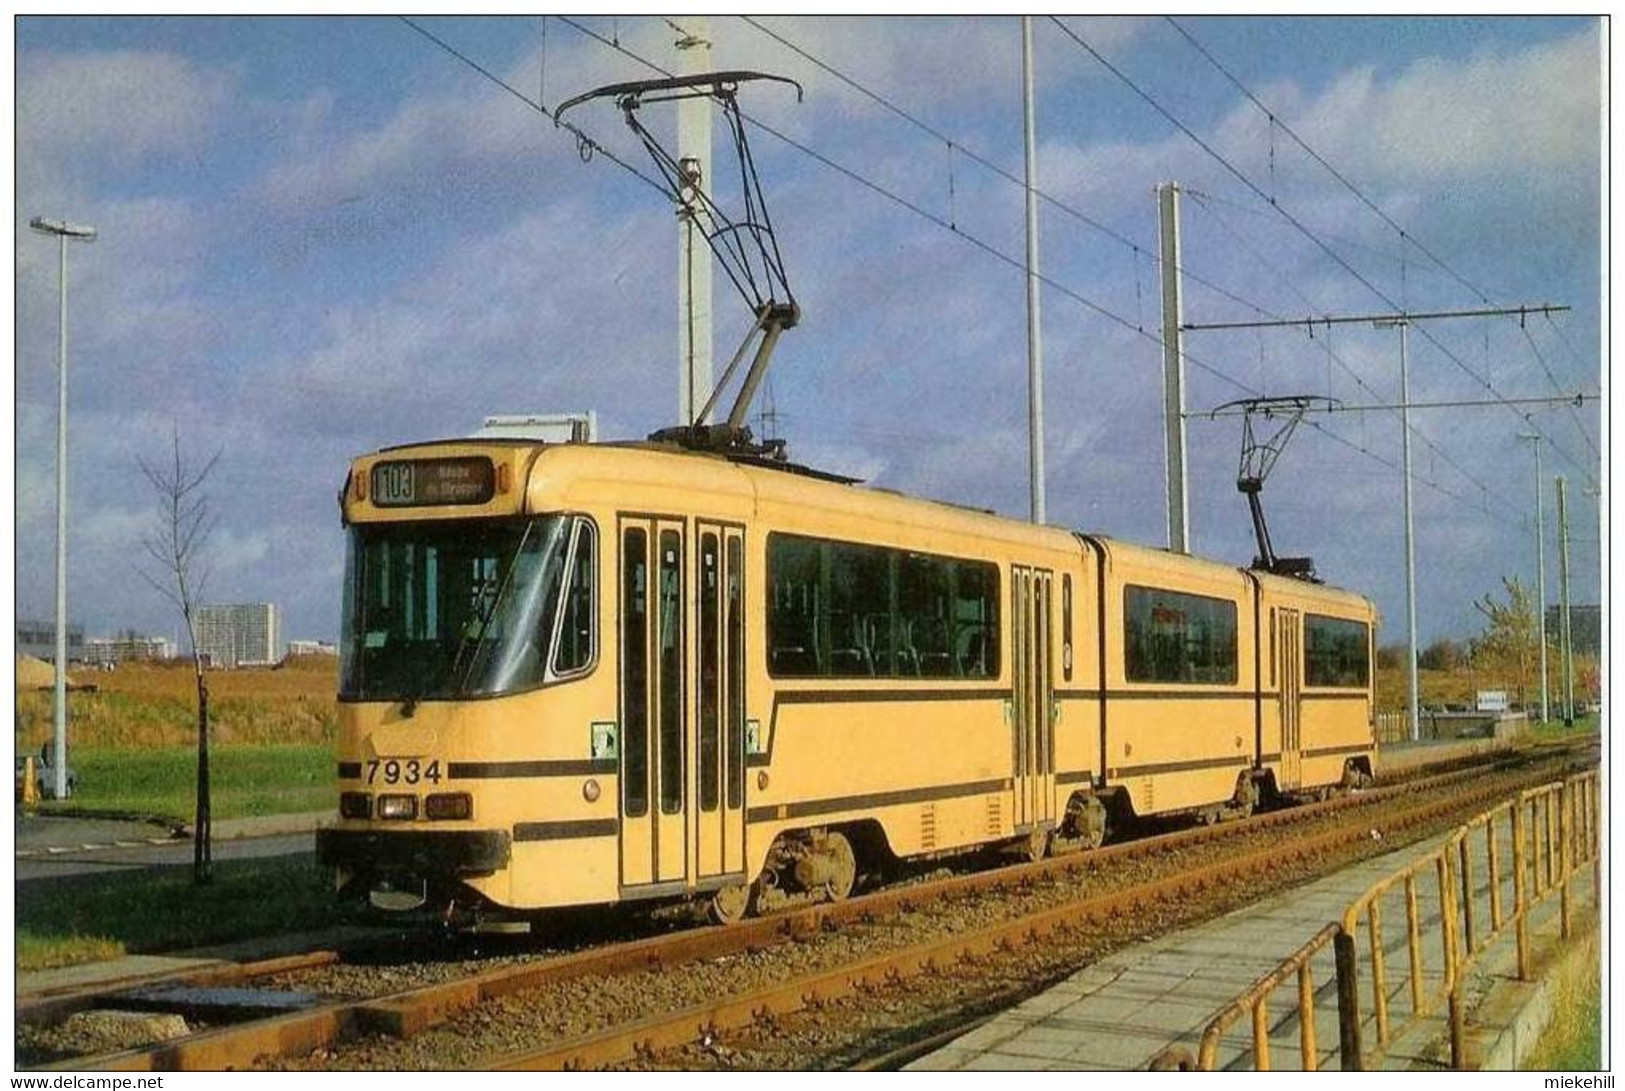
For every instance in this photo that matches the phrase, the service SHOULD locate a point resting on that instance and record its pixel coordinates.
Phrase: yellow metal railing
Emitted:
(1553, 831)
(1255, 1000)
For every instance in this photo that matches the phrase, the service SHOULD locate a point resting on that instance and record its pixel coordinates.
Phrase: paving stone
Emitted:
(1121, 1012)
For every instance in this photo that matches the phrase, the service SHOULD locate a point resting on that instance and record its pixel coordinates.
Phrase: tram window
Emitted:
(635, 664)
(1170, 636)
(442, 610)
(842, 610)
(1273, 654)
(792, 622)
(671, 671)
(1335, 651)
(575, 640)
(1066, 626)
(710, 669)
(924, 588)
(976, 620)
(859, 611)
(734, 758)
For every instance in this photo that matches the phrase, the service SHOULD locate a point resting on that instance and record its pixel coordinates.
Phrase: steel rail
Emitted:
(55, 1004)
(411, 1011)
(647, 1037)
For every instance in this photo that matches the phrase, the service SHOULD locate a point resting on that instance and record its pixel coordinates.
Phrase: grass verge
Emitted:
(85, 918)
(245, 781)
(1588, 724)
(1572, 1041)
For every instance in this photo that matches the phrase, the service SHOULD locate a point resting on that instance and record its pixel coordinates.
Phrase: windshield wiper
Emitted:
(480, 642)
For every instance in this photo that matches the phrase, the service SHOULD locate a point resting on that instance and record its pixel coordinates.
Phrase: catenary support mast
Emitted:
(1173, 368)
(1540, 574)
(1035, 348)
(693, 252)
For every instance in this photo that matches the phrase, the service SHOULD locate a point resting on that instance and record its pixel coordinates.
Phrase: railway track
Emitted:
(932, 931)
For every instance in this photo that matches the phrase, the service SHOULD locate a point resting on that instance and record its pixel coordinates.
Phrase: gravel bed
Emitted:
(843, 1031)
(835, 1036)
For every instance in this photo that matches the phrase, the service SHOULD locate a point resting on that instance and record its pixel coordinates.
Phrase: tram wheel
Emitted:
(730, 904)
(843, 867)
(1035, 846)
(1090, 822)
(1246, 798)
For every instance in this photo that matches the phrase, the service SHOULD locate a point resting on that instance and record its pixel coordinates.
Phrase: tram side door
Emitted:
(1290, 669)
(1034, 697)
(653, 650)
(717, 792)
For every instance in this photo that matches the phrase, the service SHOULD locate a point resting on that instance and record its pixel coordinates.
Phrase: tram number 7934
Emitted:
(407, 771)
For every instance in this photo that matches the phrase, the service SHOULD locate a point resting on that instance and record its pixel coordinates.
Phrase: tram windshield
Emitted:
(458, 608)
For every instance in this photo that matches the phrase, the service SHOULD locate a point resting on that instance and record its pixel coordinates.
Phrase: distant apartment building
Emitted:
(311, 647)
(38, 639)
(128, 648)
(1585, 627)
(247, 634)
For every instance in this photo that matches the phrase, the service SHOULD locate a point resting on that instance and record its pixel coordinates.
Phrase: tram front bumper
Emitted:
(426, 853)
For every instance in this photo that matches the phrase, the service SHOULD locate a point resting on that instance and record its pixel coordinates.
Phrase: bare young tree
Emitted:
(176, 545)
(1510, 643)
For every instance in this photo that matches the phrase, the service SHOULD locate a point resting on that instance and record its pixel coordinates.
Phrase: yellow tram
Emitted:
(590, 673)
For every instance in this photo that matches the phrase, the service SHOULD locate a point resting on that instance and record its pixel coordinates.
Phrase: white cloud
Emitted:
(1492, 119)
(424, 139)
(1529, 114)
(118, 107)
(932, 67)
(229, 549)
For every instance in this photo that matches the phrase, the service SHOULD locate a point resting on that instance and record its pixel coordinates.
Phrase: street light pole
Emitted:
(1540, 577)
(63, 232)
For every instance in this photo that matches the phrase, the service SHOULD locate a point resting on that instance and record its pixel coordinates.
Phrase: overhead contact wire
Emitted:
(994, 252)
(1309, 234)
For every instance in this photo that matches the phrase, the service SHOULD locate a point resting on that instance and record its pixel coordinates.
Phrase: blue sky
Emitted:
(322, 236)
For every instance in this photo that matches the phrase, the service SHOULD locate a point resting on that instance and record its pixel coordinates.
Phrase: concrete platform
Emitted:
(1125, 1010)
(1404, 757)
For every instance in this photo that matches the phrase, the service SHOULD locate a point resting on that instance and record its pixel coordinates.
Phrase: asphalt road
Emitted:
(56, 866)
(52, 847)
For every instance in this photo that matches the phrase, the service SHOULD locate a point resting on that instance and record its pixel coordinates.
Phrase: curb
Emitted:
(58, 850)
(1522, 1011)
(179, 832)
(176, 826)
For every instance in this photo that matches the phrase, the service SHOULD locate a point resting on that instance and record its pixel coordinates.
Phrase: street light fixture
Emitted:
(63, 230)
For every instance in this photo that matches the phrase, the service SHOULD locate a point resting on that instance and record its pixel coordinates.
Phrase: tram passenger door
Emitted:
(653, 650)
(717, 797)
(1290, 670)
(1034, 697)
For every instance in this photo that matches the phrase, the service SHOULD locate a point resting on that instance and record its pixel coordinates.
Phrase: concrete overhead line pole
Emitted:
(1403, 320)
(693, 252)
(1563, 598)
(1540, 565)
(1173, 368)
(1414, 684)
(1035, 344)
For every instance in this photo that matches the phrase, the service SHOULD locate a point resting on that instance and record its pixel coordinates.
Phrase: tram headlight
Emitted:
(355, 805)
(397, 806)
(448, 805)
